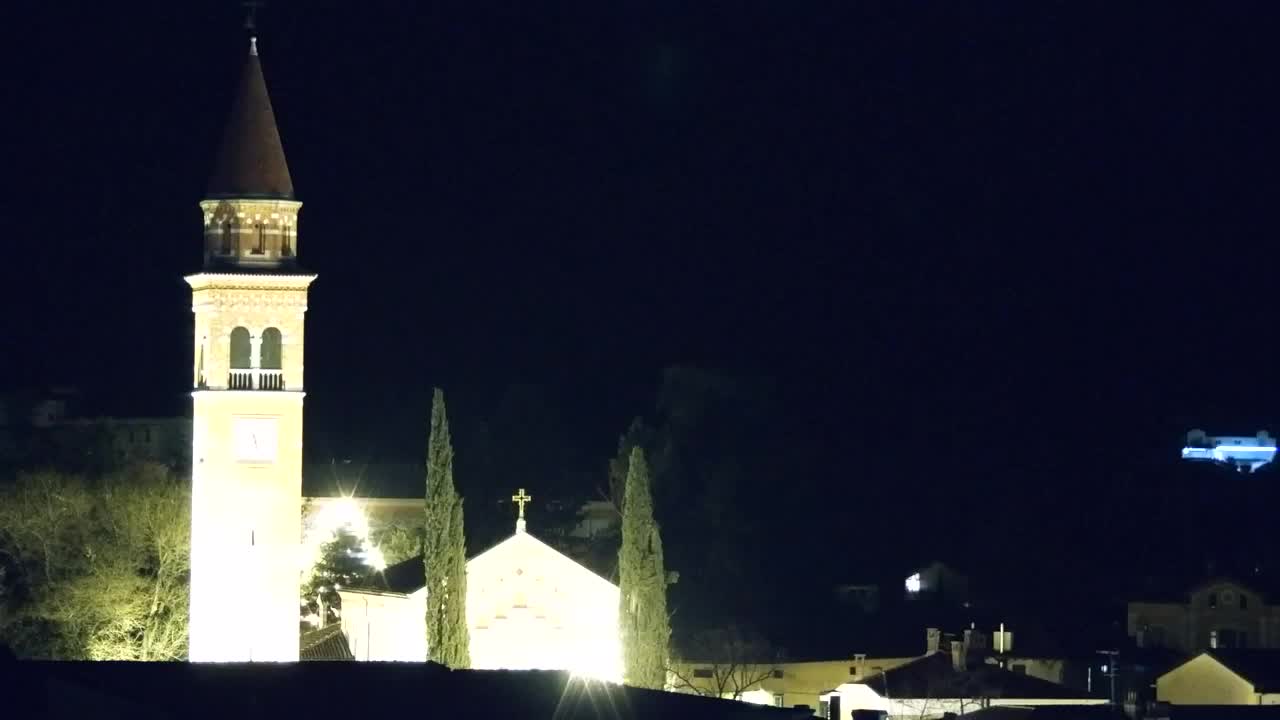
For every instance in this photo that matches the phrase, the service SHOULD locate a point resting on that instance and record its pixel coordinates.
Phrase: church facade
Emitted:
(249, 302)
(528, 607)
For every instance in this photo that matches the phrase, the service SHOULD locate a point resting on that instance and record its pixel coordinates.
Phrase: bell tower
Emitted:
(249, 303)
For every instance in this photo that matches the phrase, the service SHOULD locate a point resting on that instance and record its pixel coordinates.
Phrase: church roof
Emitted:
(404, 577)
(326, 643)
(251, 161)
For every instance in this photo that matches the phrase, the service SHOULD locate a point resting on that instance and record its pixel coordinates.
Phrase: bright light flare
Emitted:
(332, 516)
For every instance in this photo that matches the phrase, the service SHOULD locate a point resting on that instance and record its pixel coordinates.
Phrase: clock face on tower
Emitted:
(255, 439)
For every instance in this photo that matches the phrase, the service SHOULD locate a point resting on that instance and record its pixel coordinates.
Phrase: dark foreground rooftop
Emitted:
(137, 691)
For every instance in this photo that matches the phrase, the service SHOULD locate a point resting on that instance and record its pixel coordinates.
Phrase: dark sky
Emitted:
(952, 232)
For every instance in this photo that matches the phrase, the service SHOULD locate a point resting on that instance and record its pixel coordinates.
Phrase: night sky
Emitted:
(988, 252)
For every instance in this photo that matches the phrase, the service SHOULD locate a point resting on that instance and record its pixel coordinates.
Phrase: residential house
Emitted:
(1223, 676)
(1219, 613)
(944, 683)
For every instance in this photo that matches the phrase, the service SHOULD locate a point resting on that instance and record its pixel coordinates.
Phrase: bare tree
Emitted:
(725, 663)
(104, 564)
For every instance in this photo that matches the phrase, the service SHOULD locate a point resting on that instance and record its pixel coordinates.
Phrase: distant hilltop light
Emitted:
(1239, 451)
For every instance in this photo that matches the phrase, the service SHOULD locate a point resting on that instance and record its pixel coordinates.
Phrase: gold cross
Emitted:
(520, 499)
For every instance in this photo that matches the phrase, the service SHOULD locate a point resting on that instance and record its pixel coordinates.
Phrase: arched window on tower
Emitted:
(270, 360)
(241, 377)
(286, 241)
(200, 382)
(227, 231)
(261, 247)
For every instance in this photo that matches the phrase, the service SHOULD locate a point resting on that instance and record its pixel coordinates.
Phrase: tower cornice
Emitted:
(249, 281)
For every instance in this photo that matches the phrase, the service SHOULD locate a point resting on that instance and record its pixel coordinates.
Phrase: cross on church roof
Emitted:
(520, 498)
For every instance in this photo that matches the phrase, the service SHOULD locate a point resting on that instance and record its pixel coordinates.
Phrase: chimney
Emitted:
(958, 656)
(933, 640)
(1002, 642)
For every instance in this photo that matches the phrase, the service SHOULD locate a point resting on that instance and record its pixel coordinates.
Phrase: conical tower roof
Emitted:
(251, 162)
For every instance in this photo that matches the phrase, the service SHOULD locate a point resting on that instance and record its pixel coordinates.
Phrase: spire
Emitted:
(251, 162)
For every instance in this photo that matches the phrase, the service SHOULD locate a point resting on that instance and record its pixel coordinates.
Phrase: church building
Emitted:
(528, 607)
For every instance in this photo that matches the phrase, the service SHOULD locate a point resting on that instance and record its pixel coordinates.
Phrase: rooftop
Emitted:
(322, 689)
(251, 161)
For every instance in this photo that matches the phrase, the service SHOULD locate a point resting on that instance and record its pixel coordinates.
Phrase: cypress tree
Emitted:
(444, 550)
(642, 617)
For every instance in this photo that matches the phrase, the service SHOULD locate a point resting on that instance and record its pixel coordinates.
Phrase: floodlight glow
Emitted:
(333, 516)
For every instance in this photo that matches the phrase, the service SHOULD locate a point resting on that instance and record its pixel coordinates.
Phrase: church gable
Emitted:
(524, 548)
(529, 606)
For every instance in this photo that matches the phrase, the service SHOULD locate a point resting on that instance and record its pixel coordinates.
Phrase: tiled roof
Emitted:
(1220, 712)
(326, 643)
(251, 161)
(934, 676)
(1048, 712)
(404, 577)
(1260, 667)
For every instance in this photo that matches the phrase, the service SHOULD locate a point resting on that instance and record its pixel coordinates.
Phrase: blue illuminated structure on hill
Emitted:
(1240, 452)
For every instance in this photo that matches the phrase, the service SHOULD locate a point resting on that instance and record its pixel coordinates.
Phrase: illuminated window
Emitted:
(1213, 638)
(913, 583)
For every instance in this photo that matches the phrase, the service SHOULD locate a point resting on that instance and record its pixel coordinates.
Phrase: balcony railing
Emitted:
(255, 379)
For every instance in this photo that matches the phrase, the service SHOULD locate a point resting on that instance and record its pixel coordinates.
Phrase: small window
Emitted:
(286, 241)
(261, 247)
(702, 673)
(1244, 601)
(779, 674)
(1213, 600)
(777, 700)
(853, 671)
(226, 238)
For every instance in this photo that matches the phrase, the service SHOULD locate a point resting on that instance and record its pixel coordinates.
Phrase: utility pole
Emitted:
(1110, 670)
